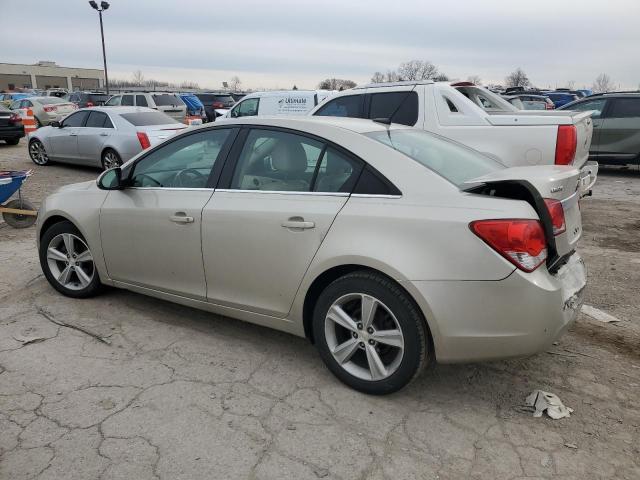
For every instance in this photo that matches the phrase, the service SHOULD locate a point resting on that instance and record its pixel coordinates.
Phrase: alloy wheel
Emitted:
(364, 336)
(70, 261)
(111, 160)
(38, 153)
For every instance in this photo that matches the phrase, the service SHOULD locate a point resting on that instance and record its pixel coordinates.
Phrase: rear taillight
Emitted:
(89, 104)
(144, 140)
(557, 215)
(15, 119)
(566, 142)
(522, 242)
(50, 109)
(218, 105)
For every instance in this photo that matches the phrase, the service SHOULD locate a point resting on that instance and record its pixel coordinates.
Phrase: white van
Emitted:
(283, 102)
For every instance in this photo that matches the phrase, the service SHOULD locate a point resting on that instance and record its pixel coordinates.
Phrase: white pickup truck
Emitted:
(475, 117)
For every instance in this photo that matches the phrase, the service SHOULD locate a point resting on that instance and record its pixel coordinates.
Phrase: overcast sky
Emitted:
(280, 43)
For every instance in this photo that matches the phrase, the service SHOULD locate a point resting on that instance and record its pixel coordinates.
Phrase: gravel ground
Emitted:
(181, 394)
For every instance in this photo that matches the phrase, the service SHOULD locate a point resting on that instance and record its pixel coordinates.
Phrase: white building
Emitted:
(49, 75)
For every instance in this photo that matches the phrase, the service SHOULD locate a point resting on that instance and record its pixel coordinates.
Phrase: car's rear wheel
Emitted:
(370, 333)
(67, 261)
(37, 152)
(110, 159)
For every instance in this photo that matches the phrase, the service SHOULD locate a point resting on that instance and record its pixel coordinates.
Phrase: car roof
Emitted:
(119, 110)
(393, 84)
(615, 94)
(356, 125)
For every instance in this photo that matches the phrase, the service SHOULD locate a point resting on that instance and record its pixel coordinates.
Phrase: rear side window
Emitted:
(336, 173)
(114, 101)
(141, 101)
(127, 101)
(347, 106)
(141, 119)
(97, 99)
(96, 120)
(403, 106)
(625, 108)
(596, 105)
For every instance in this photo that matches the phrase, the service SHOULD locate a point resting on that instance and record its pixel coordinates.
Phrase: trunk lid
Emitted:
(534, 184)
(159, 133)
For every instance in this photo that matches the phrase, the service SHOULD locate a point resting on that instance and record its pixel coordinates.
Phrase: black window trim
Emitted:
(214, 176)
(225, 179)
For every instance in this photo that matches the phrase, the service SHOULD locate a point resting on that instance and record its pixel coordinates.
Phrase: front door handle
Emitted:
(298, 223)
(103, 134)
(73, 134)
(181, 217)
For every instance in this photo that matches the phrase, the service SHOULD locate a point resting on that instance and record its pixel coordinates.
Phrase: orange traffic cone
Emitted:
(29, 122)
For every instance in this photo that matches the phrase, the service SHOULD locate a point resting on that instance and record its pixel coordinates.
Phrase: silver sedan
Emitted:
(386, 246)
(101, 137)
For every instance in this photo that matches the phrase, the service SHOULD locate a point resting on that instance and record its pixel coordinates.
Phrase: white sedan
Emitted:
(387, 246)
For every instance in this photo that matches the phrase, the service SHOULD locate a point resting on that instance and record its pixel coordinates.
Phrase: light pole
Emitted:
(103, 6)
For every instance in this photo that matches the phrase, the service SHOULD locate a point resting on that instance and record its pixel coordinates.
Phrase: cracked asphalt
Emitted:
(175, 393)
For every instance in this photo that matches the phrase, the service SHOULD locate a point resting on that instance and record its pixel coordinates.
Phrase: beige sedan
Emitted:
(386, 246)
(45, 109)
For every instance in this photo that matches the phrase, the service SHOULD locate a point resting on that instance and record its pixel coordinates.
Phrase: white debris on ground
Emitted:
(599, 315)
(547, 402)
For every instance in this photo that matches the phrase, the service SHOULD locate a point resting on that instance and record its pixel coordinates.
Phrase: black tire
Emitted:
(37, 153)
(416, 343)
(12, 141)
(110, 159)
(16, 220)
(93, 287)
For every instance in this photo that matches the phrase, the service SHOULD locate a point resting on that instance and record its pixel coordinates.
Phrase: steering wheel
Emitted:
(144, 175)
(181, 177)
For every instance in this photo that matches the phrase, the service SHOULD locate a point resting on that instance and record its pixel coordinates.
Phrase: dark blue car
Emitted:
(561, 98)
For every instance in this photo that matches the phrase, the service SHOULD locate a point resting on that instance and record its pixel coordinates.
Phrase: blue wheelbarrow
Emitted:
(19, 212)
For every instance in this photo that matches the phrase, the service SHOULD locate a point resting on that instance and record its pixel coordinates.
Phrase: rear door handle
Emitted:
(73, 134)
(103, 134)
(181, 217)
(299, 223)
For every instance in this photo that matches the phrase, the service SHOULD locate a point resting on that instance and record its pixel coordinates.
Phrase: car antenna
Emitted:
(387, 120)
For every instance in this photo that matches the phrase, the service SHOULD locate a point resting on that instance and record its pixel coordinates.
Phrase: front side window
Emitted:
(402, 106)
(141, 101)
(596, 105)
(183, 163)
(625, 108)
(246, 108)
(114, 101)
(448, 159)
(127, 101)
(347, 106)
(277, 161)
(75, 119)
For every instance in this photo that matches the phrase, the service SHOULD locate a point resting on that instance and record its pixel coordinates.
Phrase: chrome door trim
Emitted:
(374, 195)
(277, 192)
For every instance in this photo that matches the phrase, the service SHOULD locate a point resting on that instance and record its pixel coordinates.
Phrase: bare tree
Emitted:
(392, 76)
(517, 78)
(603, 84)
(138, 78)
(417, 70)
(336, 84)
(441, 77)
(571, 84)
(188, 85)
(235, 83)
(475, 79)
(378, 77)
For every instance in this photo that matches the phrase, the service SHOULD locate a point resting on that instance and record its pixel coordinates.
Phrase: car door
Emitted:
(265, 222)
(63, 141)
(598, 105)
(150, 231)
(620, 131)
(93, 136)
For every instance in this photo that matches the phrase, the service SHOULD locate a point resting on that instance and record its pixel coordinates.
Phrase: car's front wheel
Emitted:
(37, 152)
(67, 261)
(370, 333)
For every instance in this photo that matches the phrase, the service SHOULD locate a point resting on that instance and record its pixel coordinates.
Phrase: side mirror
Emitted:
(55, 124)
(111, 179)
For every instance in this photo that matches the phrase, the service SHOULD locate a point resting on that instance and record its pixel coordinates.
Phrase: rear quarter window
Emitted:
(625, 108)
(402, 106)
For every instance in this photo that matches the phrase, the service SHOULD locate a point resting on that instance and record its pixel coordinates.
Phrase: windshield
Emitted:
(141, 119)
(451, 160)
